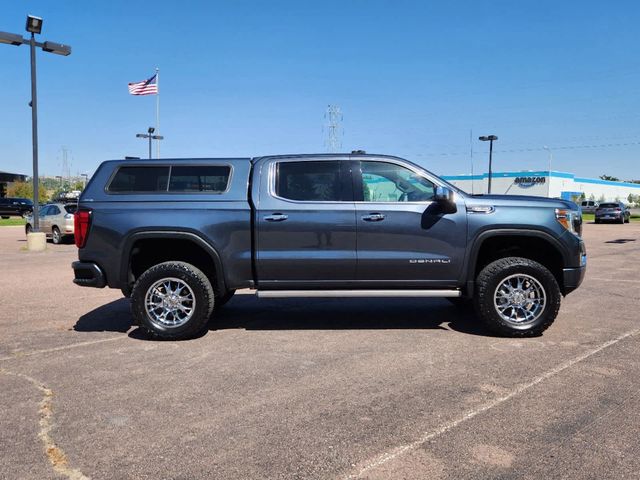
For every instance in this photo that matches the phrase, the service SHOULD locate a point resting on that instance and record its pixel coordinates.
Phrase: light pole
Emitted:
(34, 25)
(86, 179)
(150, 136)
(58, 177)
(490, 139)
(550, 156)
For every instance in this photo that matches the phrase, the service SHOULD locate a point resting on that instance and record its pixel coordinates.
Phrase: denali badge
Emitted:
(430, 260)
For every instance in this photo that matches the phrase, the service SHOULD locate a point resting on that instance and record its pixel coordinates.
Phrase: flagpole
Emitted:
(158, 111)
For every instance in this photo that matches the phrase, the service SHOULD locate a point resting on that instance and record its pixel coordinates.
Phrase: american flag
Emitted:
(146, 87)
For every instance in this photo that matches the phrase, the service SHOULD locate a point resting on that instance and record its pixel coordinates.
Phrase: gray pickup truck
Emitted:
(179, 236)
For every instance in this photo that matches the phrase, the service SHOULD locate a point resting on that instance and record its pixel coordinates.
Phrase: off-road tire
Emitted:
(494, 274)
(56, 236)
(222, 299)
(195, 279)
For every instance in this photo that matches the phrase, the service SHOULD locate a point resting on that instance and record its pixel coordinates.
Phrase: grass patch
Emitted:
(13, 221)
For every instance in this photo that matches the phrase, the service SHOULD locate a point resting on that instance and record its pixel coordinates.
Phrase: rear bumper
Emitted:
(88, 274)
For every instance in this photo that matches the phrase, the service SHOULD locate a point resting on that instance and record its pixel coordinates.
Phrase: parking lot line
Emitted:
(613, 280)
(64, 347)
(427, 436)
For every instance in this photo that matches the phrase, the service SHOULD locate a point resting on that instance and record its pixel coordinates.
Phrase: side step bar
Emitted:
(356, 293)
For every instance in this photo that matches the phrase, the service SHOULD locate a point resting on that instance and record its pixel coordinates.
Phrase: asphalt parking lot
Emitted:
(317, 389)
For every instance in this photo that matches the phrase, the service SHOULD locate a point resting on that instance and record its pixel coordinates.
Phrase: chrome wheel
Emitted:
(170, 302)
(519, 299)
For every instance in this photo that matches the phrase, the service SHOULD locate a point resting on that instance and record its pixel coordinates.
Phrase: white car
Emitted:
(56, 221)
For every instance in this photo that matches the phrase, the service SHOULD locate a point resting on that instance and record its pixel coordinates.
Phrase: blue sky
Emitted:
(413, 78)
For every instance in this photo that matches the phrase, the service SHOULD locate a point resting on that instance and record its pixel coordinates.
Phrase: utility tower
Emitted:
(66, 166)
(333, 128)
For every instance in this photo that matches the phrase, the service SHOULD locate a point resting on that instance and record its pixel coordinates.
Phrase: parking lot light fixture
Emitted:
(490, 139)
(150, 136)
(34, 26)
(11, 39)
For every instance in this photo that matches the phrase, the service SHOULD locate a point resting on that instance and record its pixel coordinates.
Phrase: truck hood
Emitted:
(521, 201)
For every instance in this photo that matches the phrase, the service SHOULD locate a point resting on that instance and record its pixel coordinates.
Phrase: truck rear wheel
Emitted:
(172, 300)
(517, 297)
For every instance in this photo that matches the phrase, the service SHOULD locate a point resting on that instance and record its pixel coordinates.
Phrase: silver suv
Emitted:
(56, 221)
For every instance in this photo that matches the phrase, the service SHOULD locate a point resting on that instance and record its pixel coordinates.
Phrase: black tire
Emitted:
(4, 217)
(221, 300)
(201, 291)
(56, 236)
(126, 291)
(493, 275)
(28, 229)
(622, 220)
(596, 221)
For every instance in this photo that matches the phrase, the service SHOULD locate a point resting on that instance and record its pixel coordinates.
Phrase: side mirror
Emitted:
(446, 198)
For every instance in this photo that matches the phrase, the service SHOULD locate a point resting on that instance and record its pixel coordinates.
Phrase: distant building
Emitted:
(545, 184)
(6, 178)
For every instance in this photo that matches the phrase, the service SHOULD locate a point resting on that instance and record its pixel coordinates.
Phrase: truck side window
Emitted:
(309, 181)
(388, 182)
(204, 178)
(140, 179)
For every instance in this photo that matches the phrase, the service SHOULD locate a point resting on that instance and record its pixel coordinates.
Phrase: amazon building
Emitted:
(545, 184)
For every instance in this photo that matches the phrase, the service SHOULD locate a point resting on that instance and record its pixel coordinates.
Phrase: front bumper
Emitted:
(573, 278)
(88, 274)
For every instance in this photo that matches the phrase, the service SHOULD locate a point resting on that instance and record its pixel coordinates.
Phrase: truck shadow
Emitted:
(248, 313)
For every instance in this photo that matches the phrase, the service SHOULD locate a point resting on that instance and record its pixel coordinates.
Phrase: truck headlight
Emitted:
(570, 220)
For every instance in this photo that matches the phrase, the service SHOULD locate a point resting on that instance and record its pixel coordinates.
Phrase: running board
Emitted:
(356, 293)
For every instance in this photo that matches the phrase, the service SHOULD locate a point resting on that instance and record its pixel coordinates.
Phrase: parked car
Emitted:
(180, 236)
(56, 221)
(589, 206)
(15, 207)
(613, 212)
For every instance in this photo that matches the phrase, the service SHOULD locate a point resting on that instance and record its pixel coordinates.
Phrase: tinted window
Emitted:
(70, 208)
(53, 210)
(388, 182)
(199, 179)
(44, 211)
(140, 179)
(609, 205)
(309, 181)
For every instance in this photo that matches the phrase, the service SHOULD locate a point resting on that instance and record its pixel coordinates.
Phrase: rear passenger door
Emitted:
(305, 218)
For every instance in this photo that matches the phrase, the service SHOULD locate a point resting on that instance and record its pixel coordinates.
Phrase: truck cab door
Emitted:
(405, 237)
(306, 224)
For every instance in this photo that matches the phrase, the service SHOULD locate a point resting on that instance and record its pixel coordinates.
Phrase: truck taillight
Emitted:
(81, 224)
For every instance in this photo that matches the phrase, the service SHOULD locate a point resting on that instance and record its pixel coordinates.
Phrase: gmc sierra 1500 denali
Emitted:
(179, 236)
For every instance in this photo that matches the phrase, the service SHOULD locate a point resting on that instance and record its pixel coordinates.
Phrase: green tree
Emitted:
(610, 178)
(25, 190)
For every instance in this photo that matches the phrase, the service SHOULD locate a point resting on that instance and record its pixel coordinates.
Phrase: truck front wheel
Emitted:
(172, 300)
(517, 297)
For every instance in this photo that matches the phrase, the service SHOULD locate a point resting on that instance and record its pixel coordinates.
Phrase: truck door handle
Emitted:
(276, 217)
(373, 217)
